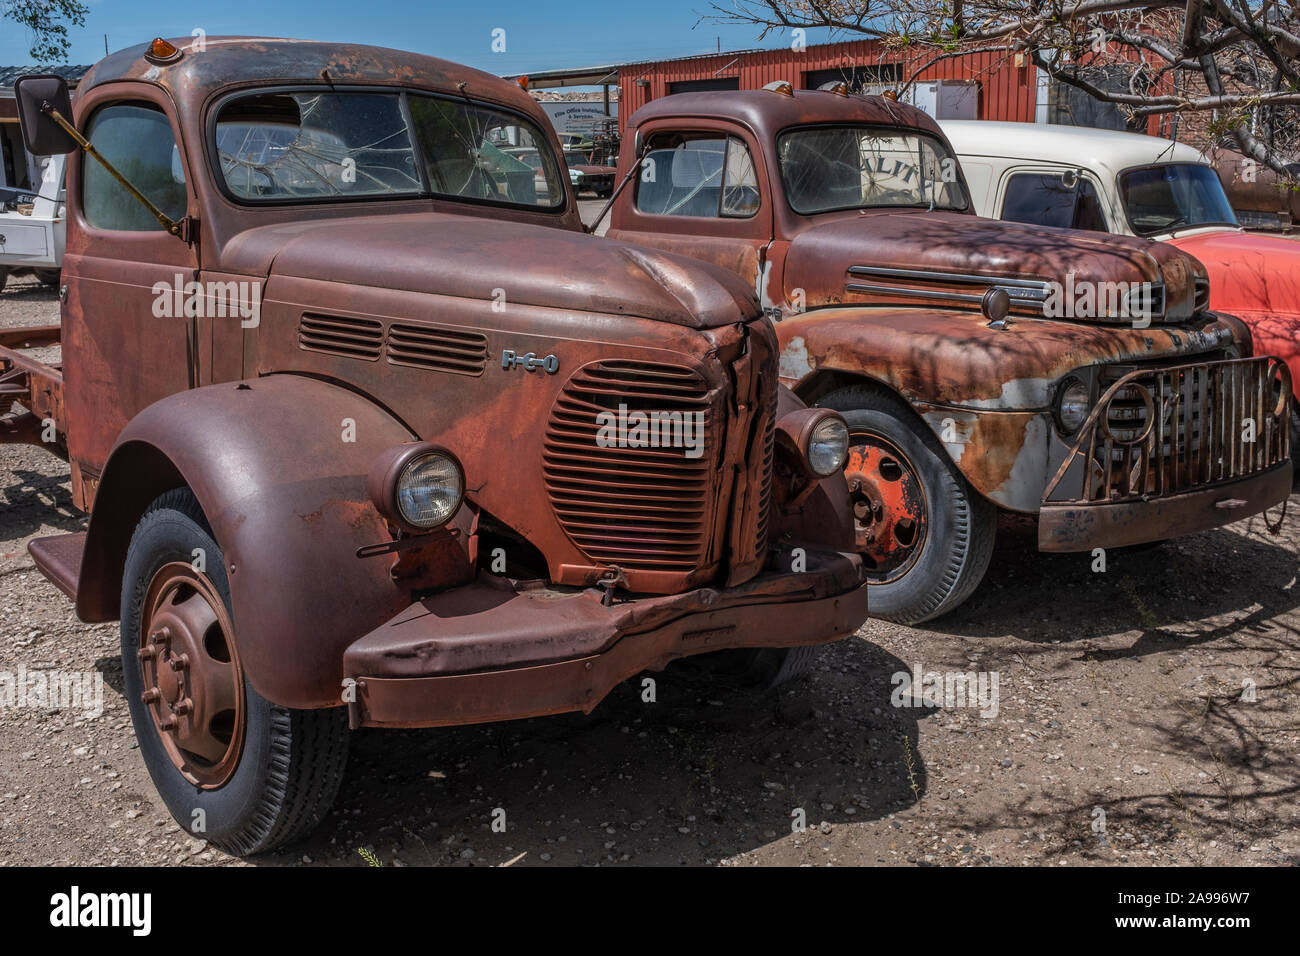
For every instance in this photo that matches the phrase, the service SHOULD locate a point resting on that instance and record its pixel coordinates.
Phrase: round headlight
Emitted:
(828, 448)
(429, 490)
(1072, 406)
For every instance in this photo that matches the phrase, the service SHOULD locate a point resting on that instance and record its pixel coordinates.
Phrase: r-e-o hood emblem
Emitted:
(529, 361)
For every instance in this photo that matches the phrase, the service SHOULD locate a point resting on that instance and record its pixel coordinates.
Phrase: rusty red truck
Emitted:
(372, 434)
(982, 365)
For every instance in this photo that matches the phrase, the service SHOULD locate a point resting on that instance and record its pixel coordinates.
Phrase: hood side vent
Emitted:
(341, 335)
(443, 350)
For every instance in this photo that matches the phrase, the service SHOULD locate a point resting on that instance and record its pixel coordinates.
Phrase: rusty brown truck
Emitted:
(371, 434)
(981, 365)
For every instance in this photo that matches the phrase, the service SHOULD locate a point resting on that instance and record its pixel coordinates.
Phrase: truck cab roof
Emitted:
(1097, 149)
(767, 112)
(229, 61)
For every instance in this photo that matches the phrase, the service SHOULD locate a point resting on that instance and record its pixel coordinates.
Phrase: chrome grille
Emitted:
(1160, 431)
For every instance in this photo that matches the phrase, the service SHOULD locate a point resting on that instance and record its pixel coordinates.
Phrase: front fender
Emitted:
(279, 465)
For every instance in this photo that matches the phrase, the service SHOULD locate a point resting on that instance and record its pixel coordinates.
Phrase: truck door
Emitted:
(127, 341)
(701, 192)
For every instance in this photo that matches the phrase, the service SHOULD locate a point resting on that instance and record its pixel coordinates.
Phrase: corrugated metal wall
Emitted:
(1007, 91)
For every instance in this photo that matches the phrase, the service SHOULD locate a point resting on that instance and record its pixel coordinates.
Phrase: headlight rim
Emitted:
(821, 422)
(1067, 383)
(385, 480)
(794, 432)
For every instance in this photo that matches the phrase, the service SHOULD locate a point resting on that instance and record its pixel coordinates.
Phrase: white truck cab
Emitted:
(1129, 183)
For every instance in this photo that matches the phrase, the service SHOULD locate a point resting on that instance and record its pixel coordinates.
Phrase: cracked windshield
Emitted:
(305, 146)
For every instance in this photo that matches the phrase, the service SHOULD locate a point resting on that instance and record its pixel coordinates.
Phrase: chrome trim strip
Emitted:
(910, 292)
(918, 293)
(882, 272)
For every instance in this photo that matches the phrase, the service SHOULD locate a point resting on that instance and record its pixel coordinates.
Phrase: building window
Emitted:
(705, 86)
(872, 80)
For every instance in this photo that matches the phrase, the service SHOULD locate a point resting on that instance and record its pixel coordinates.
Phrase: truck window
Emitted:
(698, 175)
(859, 167)
(1045, 199)
(312, 146)
(138, 140)
(1160, 198)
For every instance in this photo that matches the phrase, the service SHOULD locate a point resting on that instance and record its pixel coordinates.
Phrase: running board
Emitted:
(58, 557)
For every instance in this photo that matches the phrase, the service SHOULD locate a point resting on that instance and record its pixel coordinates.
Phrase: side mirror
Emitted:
(41, 135)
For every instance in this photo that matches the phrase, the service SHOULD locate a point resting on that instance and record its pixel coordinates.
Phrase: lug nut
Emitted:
(146, 652)
(162, 635)
(151, 695)
(168, 724)
(180, 662)
(183, 707)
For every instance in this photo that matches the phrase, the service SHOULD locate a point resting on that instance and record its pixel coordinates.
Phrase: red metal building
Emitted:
(1004, 87)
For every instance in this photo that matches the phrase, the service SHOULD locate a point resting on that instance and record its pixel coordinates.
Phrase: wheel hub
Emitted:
(890, 516)
(193, 685)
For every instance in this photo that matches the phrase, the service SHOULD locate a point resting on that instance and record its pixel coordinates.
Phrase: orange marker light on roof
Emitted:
(160, 51)
(784, 87)
(523, 82)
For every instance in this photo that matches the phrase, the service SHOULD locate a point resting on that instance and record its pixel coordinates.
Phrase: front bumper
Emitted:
(1075, 527)
(489, 651)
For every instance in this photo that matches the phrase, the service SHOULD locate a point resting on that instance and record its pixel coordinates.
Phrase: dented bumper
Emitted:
(488, 651)
(1074, 527)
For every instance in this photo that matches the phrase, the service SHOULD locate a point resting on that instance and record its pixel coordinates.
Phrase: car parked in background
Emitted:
(1134, 185)
(599, 179)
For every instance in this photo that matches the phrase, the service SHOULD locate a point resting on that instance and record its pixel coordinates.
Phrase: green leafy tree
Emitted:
(48, 22)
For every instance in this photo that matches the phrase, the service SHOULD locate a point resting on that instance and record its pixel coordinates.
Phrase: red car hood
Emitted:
(1257, 278)
(1248, 272)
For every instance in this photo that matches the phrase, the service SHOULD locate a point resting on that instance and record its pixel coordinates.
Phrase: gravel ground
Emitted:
(1120, 703)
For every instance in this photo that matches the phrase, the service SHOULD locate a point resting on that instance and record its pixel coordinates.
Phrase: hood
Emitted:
(470, 257)
(914, 257)
(1248, 273)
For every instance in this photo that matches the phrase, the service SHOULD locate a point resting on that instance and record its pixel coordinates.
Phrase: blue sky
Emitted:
(540, 34)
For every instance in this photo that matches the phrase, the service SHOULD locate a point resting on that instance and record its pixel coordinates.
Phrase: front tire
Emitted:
(925, 534)
(232, 767)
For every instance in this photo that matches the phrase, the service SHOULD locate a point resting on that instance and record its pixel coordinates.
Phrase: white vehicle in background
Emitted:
(1134, 185)
(33, 227)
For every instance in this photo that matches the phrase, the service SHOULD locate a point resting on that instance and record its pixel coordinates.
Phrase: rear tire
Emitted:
(235, 769)
(925, 533)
